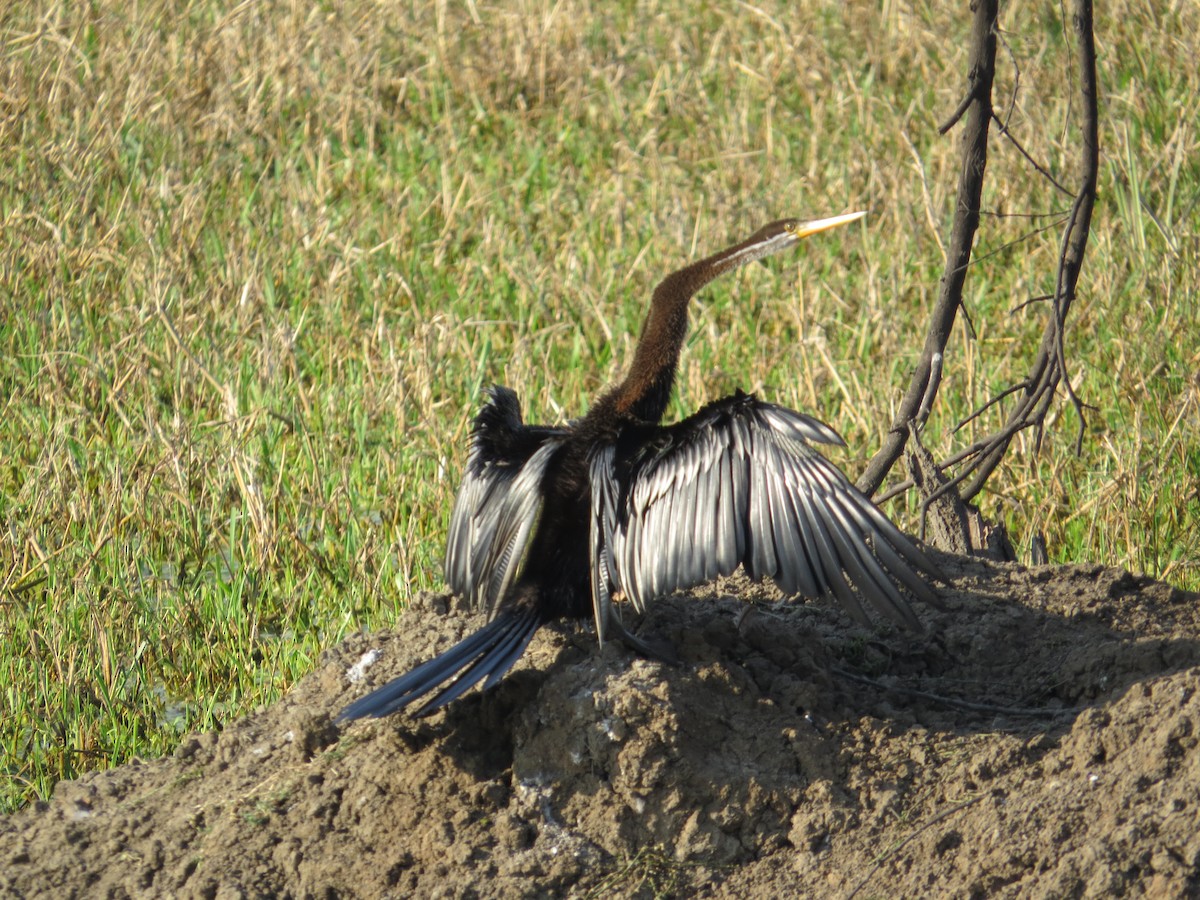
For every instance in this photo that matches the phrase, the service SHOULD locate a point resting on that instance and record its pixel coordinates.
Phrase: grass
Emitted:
(257, 262)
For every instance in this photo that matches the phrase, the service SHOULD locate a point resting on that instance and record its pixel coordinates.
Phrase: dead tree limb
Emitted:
(976, 107)
(1037, 390)
(1050, 367)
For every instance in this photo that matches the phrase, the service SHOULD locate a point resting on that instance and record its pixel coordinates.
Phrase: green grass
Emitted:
(257, 262)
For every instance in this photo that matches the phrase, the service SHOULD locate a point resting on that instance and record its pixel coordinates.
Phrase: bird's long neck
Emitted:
(647, 387)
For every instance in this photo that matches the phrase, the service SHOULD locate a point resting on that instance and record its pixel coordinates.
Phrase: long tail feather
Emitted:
(489, 652)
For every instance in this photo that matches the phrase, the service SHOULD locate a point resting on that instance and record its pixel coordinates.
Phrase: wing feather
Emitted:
(783, 526)
(726, 531)
(499, 501)
(804, 568)
(761, 532)
(740, 484)
(601, 530)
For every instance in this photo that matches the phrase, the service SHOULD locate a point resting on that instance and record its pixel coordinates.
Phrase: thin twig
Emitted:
(1028, 712)
(1020, 385)
(1042, 170)
(1016, 88)
(1040, 298)
(940, 817)
(960, 110)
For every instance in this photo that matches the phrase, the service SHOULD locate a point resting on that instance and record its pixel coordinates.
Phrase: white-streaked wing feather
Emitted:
(498, 503)
(739, 484)
(604, 505)
(494, 514)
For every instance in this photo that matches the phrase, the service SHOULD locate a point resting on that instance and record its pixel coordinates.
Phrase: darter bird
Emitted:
(551, 522)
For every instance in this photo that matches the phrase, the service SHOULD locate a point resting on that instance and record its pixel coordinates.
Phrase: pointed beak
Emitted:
(804, 229)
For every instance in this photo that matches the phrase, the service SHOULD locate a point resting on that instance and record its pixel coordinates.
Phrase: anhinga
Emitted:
(550, 523)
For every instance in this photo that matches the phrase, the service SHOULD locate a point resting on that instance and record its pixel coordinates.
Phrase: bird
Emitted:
(559, 522)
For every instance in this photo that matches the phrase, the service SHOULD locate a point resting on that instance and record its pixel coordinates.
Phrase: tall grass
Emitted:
(257, 261)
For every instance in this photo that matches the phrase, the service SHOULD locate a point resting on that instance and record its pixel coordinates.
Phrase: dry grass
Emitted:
(257, 261)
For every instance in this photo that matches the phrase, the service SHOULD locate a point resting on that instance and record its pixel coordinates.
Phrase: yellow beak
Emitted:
(804, 229)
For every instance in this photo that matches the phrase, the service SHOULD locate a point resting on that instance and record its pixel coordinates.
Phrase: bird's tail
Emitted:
(489, 652)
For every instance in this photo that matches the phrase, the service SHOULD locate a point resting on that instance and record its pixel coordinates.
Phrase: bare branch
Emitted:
(959, 111)
(1039, 388)
(1008, 391)
(1049, 367)
(977, 109)
(1040, 298)
(935, 366)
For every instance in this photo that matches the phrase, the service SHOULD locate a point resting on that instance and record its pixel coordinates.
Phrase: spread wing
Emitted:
(498, 502)
(739, 484)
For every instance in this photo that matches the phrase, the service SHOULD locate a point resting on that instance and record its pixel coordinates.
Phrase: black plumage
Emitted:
(550, 523)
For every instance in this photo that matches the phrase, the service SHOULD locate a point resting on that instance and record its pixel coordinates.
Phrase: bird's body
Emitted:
(549, 523)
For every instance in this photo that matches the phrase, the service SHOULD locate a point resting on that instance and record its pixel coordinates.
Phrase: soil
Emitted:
(1040, 739)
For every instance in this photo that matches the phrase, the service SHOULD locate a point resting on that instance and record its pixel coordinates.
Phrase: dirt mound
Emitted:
(1040, 739)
